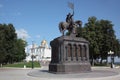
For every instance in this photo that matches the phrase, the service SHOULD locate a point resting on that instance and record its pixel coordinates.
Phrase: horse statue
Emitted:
(63, 26)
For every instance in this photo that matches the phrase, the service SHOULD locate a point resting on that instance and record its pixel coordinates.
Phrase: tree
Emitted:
(10, 39)
(2, 49)
(101, 36)
(90, 32)
(11, 48)
(118, 46)
(20, 50)
(108, 39)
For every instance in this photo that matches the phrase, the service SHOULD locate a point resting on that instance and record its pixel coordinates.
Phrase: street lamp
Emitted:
(32, 56)
(32, 61)
(23, 38)
(112, 57)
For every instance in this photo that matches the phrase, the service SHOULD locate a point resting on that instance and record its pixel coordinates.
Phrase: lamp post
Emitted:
(25, 52)
(32, 56)
(112, 57)
(32, 61)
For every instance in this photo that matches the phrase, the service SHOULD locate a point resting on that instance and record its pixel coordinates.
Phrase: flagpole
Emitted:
(73, 10)
(71, 6)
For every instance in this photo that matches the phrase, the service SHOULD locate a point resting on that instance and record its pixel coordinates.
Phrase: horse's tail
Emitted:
(60, 24)
(62, 27)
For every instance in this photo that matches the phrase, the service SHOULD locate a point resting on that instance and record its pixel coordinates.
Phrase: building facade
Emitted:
(39, 53)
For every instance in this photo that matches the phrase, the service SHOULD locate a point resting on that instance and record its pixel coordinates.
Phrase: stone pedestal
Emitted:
(69, 55)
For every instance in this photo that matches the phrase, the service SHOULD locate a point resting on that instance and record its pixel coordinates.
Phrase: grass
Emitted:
(21, 65)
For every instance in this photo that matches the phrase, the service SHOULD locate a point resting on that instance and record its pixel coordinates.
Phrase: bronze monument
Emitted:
(70, 54)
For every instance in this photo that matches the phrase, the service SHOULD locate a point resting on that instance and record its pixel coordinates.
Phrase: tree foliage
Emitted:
(9, 48)
(20, 49)
(101, 35)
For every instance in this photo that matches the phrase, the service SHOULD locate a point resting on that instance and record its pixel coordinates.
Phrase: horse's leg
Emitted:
(63, 32)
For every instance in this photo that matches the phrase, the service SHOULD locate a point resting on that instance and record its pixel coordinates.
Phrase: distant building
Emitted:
(40, 53)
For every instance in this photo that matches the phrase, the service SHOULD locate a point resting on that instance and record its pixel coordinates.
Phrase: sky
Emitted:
(36, 20)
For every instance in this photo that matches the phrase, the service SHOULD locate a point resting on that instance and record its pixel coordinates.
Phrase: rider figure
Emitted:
(69, 18)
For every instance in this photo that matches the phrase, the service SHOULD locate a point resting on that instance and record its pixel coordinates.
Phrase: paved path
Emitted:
(42, 74)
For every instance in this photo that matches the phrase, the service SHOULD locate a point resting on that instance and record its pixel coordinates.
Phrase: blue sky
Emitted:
(39, 19)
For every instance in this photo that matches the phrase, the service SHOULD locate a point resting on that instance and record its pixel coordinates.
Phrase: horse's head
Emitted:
(79, 23)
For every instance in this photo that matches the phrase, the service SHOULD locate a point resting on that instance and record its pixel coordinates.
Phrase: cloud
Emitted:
(22, 33)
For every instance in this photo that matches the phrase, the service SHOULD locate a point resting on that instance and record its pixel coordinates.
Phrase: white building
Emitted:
(40, 53)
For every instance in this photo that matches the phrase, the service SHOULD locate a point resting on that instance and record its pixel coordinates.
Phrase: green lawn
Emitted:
(21, 65)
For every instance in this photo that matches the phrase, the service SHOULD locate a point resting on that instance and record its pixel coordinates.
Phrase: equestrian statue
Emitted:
(70, 24)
